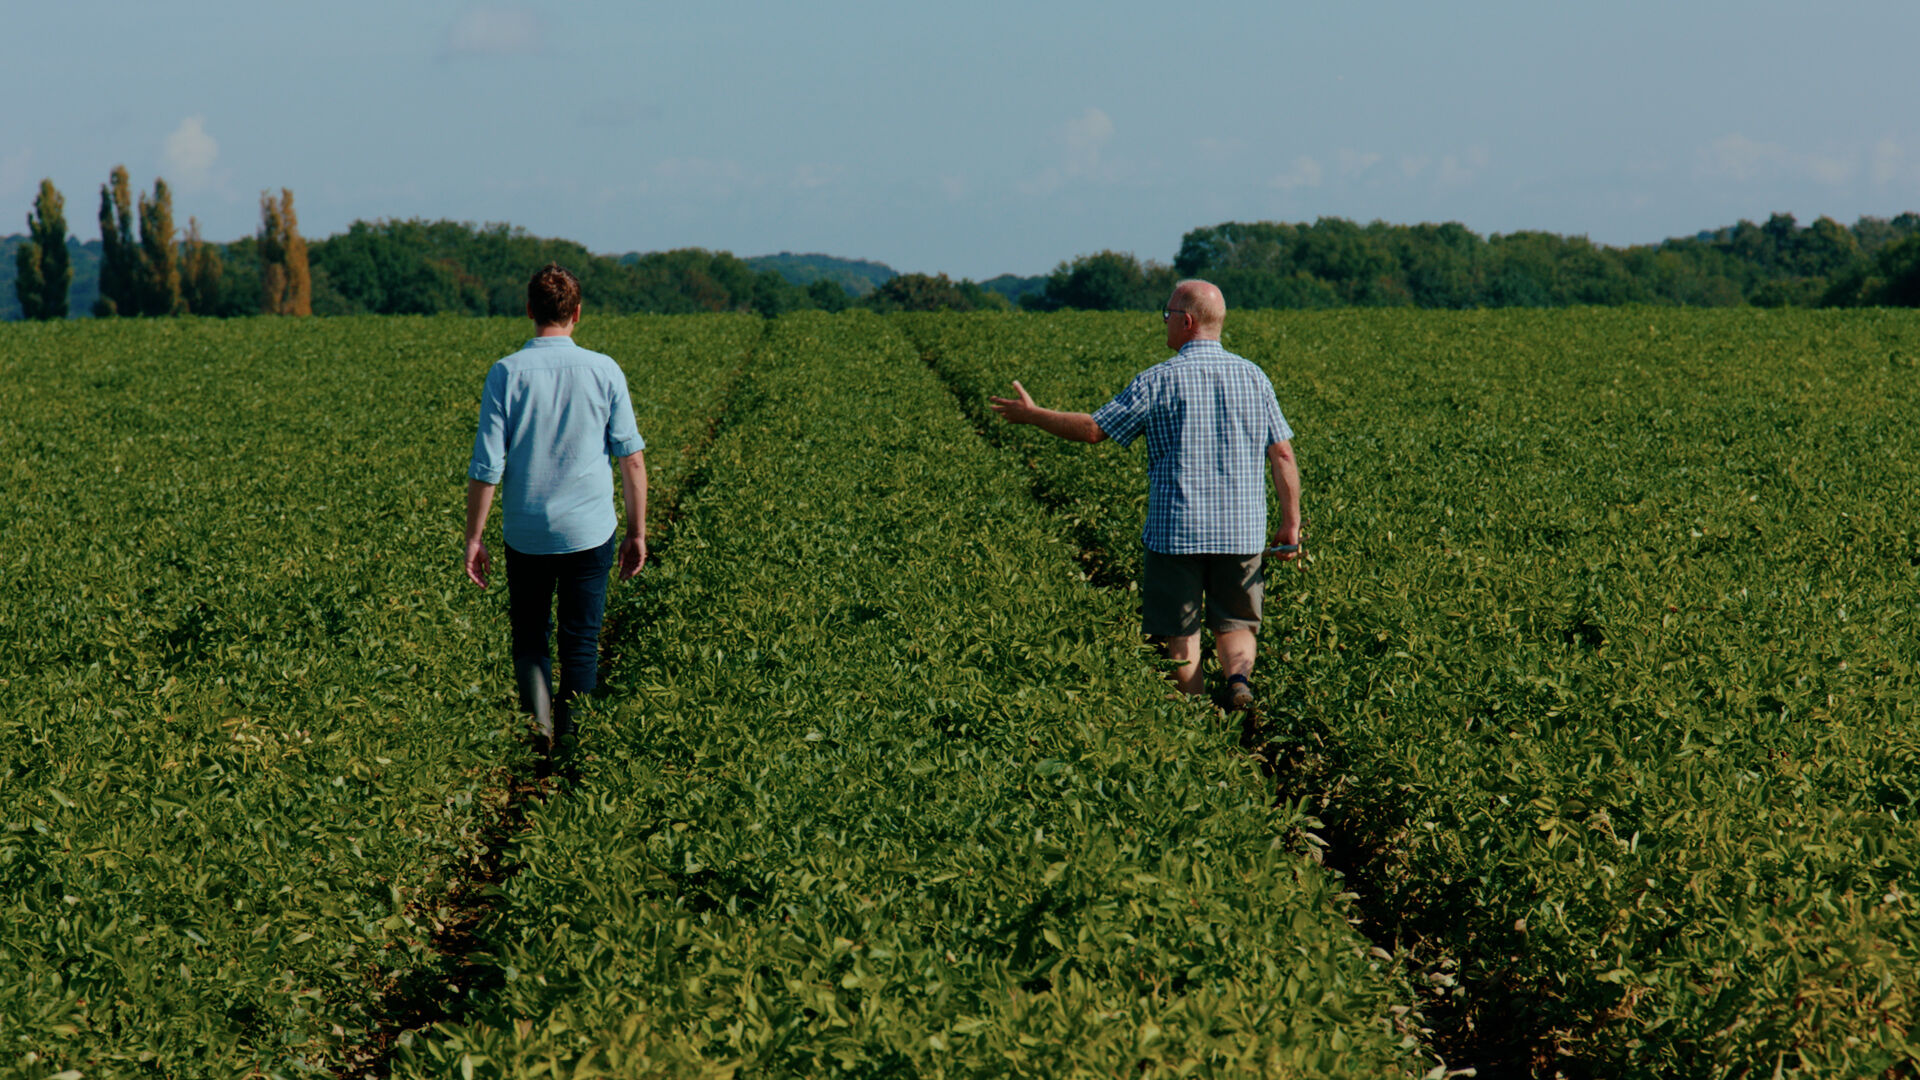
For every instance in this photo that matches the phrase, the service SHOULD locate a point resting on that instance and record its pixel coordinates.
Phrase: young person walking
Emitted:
(551, 415)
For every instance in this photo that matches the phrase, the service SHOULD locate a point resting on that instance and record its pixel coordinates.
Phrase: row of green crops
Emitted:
(891, 790)
(1605, 674)
(1604, 680)
(253, 720)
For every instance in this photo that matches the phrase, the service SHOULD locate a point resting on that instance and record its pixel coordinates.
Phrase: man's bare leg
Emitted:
(1236, 649)
(1186, 650)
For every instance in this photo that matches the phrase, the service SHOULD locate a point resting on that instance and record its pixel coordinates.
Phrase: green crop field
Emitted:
(1589, 739)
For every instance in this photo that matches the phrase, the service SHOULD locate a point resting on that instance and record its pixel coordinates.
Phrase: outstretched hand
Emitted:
(1018, 410)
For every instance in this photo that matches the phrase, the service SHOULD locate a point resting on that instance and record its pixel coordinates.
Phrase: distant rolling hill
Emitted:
(858, 276)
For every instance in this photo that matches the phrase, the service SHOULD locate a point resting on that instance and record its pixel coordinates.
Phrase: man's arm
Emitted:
(1074, 427)
(479, 505)
(633, 484)
(1286, 485)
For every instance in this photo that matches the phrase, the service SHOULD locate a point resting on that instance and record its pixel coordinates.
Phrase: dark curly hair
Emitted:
(553, 295)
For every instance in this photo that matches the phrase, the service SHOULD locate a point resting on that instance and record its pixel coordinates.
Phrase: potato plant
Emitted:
(890, 790)
(1597, 699)
(1603, 673)
(254, 719)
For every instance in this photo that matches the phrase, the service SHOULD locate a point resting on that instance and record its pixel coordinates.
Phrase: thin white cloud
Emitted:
(494, 31)
(1354, 162)
(698, 169)
(1458, 170)
(189, 154)
(1413, 165)
(1305, 173)
(1888, 157)
(621, 194)
(813, 175)
(1831, 171)
(1082, 140)
(1736, 157)
(704, 176)
(14, 170)
(1742, 160)
(1087, 135)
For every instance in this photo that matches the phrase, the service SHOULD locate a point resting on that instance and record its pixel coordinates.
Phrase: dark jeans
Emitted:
(580, 579)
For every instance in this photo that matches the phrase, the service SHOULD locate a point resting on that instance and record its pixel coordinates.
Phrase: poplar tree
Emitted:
(157, 283)
(119, 255)
(200, 272)
(44, 272)
(285, 286)
(28, 281)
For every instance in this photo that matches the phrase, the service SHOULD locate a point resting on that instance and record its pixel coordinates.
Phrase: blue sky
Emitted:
(968, 139)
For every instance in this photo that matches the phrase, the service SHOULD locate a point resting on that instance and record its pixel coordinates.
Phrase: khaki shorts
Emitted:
(1172, 588)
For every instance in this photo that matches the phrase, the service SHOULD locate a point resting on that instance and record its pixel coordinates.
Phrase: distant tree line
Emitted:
(1337, 263)
(141, 267)
(421, 267)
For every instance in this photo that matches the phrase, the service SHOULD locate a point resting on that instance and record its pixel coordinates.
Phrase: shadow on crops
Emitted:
(439, 993)
(1495, 1027)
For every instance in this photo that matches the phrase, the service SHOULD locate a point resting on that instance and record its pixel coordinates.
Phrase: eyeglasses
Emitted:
(1168, 313)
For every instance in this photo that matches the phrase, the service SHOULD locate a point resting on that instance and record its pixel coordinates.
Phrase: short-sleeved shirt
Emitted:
(550, 417)
(1209, 417)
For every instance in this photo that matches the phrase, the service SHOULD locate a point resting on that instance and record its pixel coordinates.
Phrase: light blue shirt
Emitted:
(550, 417)
(1209, 417)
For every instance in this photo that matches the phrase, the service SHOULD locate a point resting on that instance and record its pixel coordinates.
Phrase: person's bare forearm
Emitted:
(479, 505)
(1074, 427)
(1286, 483)
(633, 483)
(1286, 488)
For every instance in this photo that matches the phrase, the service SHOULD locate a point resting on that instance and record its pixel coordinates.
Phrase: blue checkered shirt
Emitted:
(1209, 417)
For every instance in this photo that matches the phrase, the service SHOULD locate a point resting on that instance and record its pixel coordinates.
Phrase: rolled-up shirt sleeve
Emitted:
(623, 436)
(489, 462)
(1123, 418)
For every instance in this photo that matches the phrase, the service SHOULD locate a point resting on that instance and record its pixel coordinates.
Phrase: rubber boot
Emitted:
(536, 696)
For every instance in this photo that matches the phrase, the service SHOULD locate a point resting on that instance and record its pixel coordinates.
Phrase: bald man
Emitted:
(1214, 433)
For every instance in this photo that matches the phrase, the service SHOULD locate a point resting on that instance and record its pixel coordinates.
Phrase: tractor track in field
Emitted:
(442, 992)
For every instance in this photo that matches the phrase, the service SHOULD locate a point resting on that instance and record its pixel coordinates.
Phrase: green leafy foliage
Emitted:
(255, 721)
(1603, 674)
(1334, 262)
(886, 789)
(42, 264)
(1598, 692)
